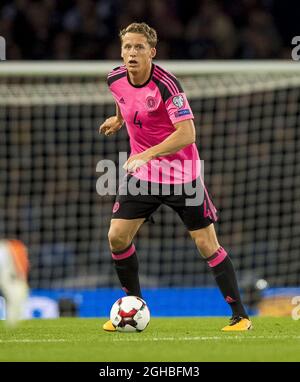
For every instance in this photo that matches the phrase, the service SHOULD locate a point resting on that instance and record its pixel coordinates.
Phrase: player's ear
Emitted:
(153, 52)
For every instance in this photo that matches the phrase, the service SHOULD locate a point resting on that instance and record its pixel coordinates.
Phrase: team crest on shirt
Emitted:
(178, 101)
(151, 103)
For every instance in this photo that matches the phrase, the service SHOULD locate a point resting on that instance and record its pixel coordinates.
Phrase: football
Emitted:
(130, 314)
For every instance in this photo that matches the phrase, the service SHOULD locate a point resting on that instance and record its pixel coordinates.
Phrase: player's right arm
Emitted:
(112, 124)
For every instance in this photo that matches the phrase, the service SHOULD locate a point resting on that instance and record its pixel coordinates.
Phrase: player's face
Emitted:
(136, 52)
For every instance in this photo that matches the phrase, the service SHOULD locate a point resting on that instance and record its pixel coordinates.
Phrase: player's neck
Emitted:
(140, 77)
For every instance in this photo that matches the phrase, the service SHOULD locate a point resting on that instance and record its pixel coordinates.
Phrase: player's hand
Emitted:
(136, 161)
(110, 126)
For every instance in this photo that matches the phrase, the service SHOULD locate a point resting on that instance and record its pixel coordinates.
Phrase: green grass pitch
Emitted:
(166, 339)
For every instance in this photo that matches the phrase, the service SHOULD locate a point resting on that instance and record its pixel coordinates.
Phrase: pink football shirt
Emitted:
(150, 112)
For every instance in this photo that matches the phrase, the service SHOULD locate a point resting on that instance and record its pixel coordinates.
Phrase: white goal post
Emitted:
(210, 78)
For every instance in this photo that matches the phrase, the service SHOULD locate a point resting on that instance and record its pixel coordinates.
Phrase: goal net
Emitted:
(247, 117)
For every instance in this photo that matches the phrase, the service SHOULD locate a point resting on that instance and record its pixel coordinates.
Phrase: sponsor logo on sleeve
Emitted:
(182, 112)
(178, 101)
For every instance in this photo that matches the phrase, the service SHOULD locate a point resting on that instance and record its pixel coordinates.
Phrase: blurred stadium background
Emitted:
(203, 29)
(247, 119)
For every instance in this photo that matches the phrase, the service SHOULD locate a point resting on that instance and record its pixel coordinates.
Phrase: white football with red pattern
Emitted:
(130, 314)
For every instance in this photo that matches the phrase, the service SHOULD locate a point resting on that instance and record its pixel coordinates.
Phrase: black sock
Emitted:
(126, 264)
(224, 274)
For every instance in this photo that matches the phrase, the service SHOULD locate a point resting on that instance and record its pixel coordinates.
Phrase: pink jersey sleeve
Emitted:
(178, 108)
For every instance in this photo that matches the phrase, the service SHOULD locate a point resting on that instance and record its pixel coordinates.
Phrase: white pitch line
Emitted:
(32, 341)
(207, 338)
(140, 338)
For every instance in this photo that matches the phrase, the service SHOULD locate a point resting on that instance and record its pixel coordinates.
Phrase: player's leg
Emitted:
(120, 237)
(222, 268)
(198, 219)
(129, 213)
(14, 266)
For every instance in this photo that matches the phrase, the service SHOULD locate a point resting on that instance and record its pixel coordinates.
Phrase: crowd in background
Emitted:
(203, 29)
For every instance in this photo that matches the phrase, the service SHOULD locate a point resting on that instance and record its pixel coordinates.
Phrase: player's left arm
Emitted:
(184, 135)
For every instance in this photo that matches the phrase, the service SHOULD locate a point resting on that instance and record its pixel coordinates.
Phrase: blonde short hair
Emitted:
(143, 29)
